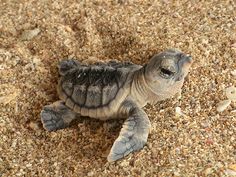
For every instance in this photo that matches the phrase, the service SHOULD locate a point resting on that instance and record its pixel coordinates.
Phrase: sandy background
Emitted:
(36, 34)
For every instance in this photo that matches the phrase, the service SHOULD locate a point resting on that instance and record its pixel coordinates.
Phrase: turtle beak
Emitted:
(189, 59)
(186, 59)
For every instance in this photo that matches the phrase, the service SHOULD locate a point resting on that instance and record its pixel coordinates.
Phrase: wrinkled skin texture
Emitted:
(116, 90)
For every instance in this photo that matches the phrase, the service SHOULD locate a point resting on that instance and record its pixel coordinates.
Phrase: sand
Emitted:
(35, 35)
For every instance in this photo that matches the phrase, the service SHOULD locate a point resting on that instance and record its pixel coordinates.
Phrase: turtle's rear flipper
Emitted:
(56, 116)
(133, 135)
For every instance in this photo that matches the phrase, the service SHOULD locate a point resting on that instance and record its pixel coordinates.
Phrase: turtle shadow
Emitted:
(97, 136)
(86, 138)
(121, 44)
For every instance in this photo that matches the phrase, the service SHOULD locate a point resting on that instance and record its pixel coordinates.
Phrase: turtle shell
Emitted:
(94, 86)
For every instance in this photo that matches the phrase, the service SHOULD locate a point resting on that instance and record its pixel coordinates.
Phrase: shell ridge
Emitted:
(87, 86)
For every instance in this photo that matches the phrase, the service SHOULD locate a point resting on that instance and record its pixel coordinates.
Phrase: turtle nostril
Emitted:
(189, 59)
(184, 57)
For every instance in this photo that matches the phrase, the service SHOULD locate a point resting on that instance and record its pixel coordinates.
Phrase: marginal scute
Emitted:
(84, 111)
(76, 108)
(70, 103)
(92, 113)
(61, 93)
(66, 65)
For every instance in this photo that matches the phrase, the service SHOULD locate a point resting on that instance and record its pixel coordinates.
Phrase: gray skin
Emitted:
(116, 90)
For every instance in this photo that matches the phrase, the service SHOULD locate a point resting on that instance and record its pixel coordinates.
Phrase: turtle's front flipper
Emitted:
(134, 132)
(56, 116)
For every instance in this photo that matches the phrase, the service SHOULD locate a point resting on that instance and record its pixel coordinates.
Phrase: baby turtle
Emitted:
(116, 90)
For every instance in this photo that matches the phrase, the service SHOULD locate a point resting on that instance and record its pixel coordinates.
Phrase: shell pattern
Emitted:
(92, 86)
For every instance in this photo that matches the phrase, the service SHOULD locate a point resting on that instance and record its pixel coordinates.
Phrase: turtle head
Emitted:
(167, 70)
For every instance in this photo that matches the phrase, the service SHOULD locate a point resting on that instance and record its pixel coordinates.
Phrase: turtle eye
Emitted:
(166, 72)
